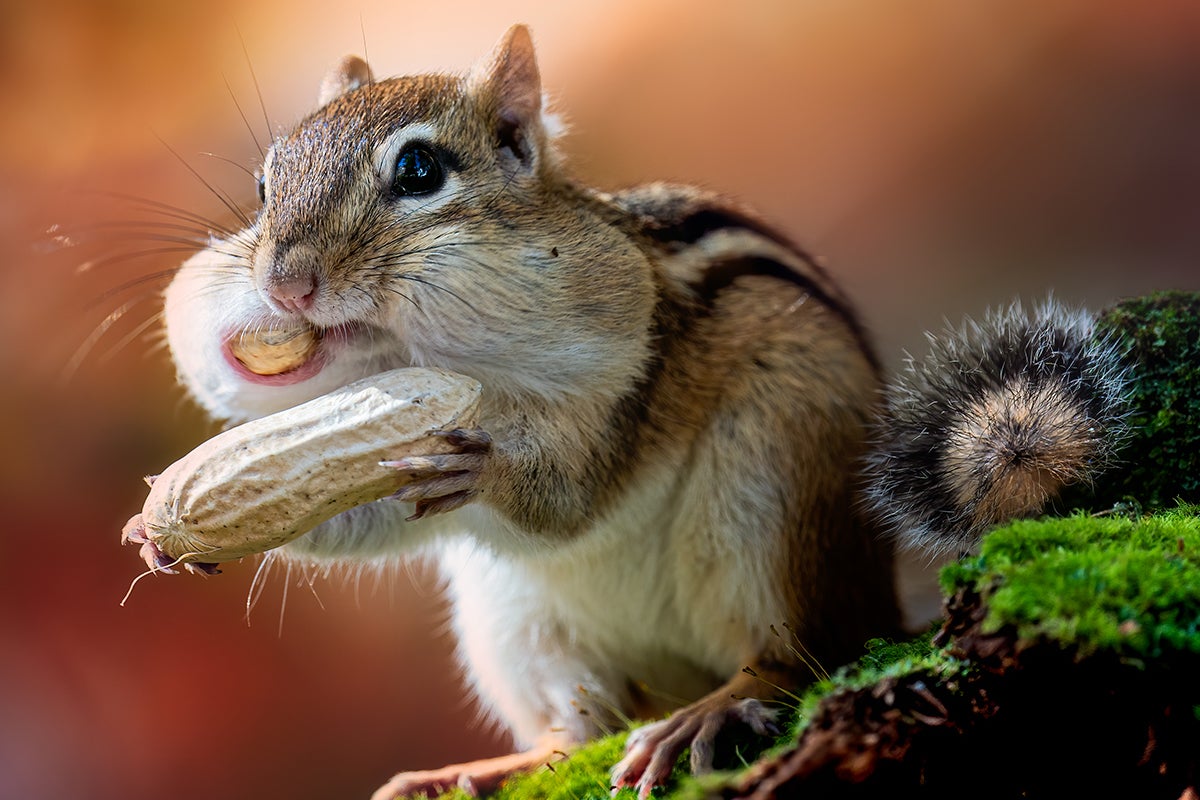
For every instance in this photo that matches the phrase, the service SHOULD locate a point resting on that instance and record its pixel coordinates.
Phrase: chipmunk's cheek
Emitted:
(241, 360)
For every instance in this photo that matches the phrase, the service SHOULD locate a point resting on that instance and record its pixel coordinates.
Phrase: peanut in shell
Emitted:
(266, 482)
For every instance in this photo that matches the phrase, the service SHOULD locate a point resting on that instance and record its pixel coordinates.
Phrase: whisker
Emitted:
(211, 291)
(362, 28)
(135, 224)
(217, 193)
(433, 285)
(232, 96)
(137, 282)
(259, 583)
(234, 268)
(157, 342)
(70, 369)
(311, 579)
(128, 338)
(231, 162)
(170, 211)
(132, 235)
(287, 579)
(120, 258)
(254, 79)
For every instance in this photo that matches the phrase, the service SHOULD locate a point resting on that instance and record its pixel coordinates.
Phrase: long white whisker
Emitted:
(130, 337)
(258, 584)
(76, 360)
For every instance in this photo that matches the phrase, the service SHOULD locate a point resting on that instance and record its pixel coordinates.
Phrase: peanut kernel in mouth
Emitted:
(272, 351)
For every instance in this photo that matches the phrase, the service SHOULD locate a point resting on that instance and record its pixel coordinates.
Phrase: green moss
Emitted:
(1126, 586)
(1159, 335)
(582, 776)
(585, 774)
(883, 658)
(1131, 587)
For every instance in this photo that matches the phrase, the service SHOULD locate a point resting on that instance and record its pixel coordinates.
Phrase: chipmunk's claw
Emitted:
(134, 532)
(156, 559)
(652, 750)
(467, 440)
(443, 482)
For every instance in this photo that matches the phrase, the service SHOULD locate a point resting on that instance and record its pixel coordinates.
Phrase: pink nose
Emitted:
(293, 293)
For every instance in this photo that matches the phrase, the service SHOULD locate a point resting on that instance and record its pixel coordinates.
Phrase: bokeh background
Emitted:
(942, 157)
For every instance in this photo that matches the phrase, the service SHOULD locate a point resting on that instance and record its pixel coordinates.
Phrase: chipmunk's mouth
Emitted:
(283, 355)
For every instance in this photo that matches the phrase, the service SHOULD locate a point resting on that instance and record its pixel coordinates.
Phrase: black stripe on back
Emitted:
(695, 226)
(678, 219)
(722, 273)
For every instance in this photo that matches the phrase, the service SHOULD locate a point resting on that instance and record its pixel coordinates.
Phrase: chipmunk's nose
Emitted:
(289, 278)
(293, 293)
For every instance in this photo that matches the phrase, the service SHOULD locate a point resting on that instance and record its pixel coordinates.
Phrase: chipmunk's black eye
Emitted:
(262, 189)
(418, 171)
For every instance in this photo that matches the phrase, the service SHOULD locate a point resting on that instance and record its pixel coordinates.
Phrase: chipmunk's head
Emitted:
(418, 220)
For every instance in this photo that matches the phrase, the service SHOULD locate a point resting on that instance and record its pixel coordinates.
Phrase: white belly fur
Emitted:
(642, 597)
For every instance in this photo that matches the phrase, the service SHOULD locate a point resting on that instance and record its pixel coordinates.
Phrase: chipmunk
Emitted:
(677, 404)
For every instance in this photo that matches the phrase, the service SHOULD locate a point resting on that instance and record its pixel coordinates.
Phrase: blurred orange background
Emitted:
(941, 157)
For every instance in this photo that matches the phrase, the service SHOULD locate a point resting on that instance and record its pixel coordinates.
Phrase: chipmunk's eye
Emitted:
(262, 188)
(417, 172)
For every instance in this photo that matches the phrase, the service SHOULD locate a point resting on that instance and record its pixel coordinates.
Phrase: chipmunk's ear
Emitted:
(509, 81)
(346, 75)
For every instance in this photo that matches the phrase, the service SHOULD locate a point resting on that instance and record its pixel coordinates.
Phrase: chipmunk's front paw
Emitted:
(652, 750)
(444, 482)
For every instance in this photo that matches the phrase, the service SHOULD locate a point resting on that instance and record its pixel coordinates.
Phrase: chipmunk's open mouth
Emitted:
(284, 355)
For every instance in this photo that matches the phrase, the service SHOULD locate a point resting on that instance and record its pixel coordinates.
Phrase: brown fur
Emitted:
(1054, 457)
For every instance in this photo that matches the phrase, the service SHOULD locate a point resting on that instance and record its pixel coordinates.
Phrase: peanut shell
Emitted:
(264, 483)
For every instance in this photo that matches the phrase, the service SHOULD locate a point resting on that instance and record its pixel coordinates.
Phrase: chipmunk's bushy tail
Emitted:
(994, 422)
